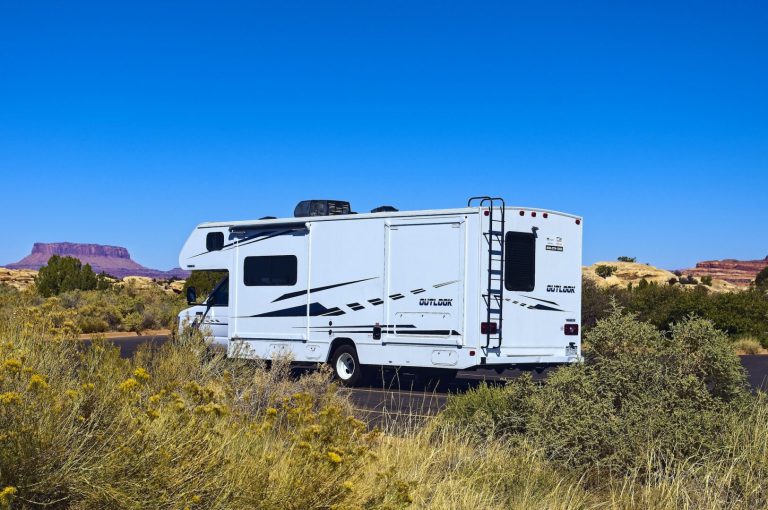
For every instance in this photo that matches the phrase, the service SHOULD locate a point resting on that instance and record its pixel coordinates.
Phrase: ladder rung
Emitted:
(496, 252)
(496, 232)
(497, 311)
(494, 291)
(495, 271)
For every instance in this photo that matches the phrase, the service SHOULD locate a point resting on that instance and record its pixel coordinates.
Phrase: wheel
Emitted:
(346, 366)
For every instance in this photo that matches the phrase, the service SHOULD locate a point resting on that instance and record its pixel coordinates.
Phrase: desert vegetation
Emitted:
(742, 315)
(118, 307)
(650, 420)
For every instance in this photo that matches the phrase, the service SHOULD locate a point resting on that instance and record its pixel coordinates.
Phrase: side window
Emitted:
(214, 241)
(220, 295)
(519, 261)
(270, 270)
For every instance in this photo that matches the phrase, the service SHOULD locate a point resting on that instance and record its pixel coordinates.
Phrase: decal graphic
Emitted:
(562, 289)
(435, 302)
(554, 244)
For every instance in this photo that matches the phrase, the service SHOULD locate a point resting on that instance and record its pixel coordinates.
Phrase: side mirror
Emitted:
(191, 295)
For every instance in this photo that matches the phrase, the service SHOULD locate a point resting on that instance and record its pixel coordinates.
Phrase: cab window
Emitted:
(220, 295)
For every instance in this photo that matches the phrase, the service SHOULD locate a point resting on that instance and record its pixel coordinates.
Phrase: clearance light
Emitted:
(487, 212)
(533, 214)
(471, 353)
(571, 329)
(488, 327)
(578, 222)
(545, 215)
(522, 213)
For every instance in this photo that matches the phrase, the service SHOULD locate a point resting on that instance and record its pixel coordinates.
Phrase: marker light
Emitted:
(522, 213)
(571, 329)
(488, 327)
(533, 214)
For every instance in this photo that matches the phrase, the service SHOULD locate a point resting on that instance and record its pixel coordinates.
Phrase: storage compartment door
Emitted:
(425, 282)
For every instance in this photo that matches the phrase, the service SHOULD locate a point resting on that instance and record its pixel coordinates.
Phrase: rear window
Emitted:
(519, 261)
(270, 270)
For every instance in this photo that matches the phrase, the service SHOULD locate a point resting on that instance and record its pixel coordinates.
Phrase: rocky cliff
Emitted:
(738, 272)
(625, 273)
(113, 260)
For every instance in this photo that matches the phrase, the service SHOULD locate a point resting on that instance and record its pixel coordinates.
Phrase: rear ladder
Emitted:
(494, 238)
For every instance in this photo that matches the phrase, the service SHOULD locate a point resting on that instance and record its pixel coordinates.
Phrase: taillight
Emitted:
(571, 329)
(488, 327)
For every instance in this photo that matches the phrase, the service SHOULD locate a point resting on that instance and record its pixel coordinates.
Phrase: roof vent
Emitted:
(321, 208)
(384, 208)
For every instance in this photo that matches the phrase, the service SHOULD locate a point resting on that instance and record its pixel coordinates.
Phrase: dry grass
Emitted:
(748, 345)
(176, 428)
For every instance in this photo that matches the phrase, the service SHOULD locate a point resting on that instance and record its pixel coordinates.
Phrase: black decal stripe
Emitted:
(418, 291)
(261, 236)
(396, 296)
(545, 307)
(542, 300)
(444, 284)
(334, 311)
(375, 302)
(319, 289)
(441, 332)
(315, 309)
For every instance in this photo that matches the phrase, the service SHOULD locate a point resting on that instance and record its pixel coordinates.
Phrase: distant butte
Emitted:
(739, 272)
(113, 260)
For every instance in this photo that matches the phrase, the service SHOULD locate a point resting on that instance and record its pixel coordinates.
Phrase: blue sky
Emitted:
(128, 123)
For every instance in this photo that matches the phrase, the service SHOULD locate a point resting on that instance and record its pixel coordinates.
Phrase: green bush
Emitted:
(706, 280)
(604, 271)
(639, 390)
(761, 280)
(627, 259)
(737, 313)
(63, 274)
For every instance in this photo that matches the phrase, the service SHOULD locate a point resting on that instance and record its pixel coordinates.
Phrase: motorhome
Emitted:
(486, 285)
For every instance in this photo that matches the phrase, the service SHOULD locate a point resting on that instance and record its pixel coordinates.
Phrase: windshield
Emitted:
(220, 294)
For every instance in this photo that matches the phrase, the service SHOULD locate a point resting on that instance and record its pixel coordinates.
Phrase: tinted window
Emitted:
(270, 270)
(220, 295)
(214, 241)
(519, 261)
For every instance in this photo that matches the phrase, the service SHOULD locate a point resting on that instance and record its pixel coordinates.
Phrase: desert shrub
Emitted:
(624, 258)
(638, 391)
(63, 274)
(747, 346)
(604, 271)
(706, 280)
(173, 429)
(761, 280)
(737, 313)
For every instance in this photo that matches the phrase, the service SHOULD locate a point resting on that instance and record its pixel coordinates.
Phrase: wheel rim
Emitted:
(345, 366)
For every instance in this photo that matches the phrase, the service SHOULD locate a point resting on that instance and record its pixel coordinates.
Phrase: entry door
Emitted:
(270, 282)
(425, 282)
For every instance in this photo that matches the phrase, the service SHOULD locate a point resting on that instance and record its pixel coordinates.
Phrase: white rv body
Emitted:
(304, 286)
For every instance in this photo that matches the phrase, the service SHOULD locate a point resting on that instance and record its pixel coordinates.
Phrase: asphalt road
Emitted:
(399, 399)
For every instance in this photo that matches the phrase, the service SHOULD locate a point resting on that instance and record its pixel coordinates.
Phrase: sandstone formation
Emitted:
(19, 279)
(24, 278)
(632, 272)
(737, 272)
(113, 260)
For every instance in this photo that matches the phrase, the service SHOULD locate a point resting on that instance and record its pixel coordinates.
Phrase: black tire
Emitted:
(346, 366)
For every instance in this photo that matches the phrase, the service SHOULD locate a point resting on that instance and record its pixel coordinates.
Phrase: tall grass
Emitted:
(175, 428)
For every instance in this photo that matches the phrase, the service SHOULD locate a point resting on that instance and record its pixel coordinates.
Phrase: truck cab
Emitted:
(211, 316)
